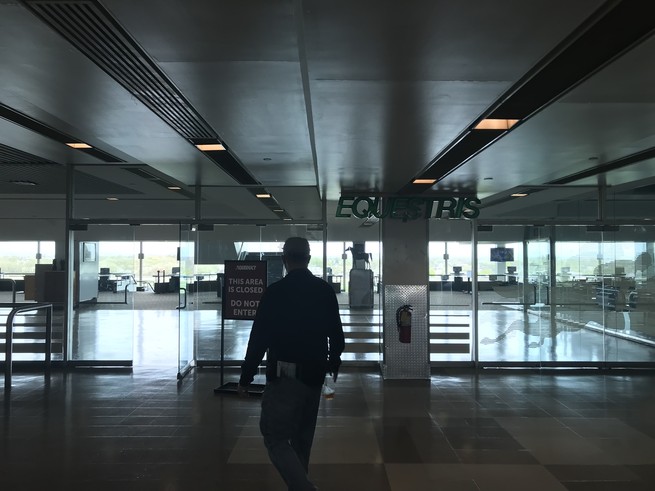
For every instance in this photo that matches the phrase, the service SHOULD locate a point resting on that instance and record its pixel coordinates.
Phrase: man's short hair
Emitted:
(296, 249)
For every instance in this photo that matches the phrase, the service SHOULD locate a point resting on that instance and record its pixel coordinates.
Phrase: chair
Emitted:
(104, 283)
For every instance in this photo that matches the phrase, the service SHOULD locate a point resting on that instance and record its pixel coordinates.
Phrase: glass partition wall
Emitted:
(500, 294)
(565, 295)
(30, 273)
(226, 340)
(354, 269)
(552, 295)
(450, 283)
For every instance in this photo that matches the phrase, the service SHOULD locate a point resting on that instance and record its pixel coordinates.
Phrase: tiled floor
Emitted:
(491, 430)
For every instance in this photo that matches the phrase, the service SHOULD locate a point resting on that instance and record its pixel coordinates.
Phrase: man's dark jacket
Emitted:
(297, 321)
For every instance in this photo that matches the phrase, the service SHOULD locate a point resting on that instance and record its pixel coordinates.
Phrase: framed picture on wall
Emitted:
(89, 252)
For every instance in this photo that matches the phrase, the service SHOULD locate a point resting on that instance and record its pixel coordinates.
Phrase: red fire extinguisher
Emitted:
(404, 323)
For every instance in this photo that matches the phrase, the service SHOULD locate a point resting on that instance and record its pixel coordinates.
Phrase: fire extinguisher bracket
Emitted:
(404, 323)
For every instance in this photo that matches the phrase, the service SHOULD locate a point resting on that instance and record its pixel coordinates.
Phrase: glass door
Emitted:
(185, 280)
(513, 293)
(540, 333)
(450, 300)
(103, 330)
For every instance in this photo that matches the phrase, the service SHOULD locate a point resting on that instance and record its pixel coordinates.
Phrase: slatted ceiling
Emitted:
(151, 177)
(587, 50)
(49, 178)
(9, 155)
(43, 129)
(232, 166)
(89, 27)
(94, 31)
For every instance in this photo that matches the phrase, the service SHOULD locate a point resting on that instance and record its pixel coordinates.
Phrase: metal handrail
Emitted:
(114, 303)
(183, 306)
(9, 336)
(13, 288)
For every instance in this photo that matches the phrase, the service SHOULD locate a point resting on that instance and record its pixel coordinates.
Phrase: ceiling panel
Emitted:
(322, 98)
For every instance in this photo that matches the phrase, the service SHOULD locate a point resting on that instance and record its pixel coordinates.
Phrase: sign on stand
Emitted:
(245, 283)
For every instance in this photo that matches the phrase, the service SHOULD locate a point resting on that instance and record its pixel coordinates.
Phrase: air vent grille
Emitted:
(32, 124)
(10, 155)
(92, 29)
(149, 176)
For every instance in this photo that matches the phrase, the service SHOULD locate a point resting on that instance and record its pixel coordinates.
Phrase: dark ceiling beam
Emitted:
(611, 31)
(17, 117)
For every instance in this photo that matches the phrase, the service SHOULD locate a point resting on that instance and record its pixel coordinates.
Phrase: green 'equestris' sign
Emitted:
(408, 208)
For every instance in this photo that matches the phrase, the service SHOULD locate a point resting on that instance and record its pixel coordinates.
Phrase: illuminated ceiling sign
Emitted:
(408, 208)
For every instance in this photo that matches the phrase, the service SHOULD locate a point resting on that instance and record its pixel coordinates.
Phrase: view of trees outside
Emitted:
(122, 257)
(158, 256)
(459, 254)
(119, 257)
(574, 259)
(583, 259)
(18, 258)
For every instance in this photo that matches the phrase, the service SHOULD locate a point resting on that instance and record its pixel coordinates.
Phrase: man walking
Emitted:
(298, 323)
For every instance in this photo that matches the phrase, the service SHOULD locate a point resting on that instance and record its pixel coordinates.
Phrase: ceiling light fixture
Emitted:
(22, 182)
(424, 181)
(519, 195)
(174, 188)
(112, 199)
(495, 124)
(263, 196)
(210, 147)
(79, 145)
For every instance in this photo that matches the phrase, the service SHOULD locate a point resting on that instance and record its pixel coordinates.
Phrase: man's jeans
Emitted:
(288, 421)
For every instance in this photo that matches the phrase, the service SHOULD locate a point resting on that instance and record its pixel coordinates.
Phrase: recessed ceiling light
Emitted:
(519, 195)
(424, 181)
(210, 147)
(112, 199)
(174, 188)
(287, 219)
(79, 145)
(22, 182)
(495, 124)
(263, 196)
(278, 211)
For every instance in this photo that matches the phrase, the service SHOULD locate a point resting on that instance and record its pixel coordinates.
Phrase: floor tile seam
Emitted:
(481, 470)
(557, 468)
